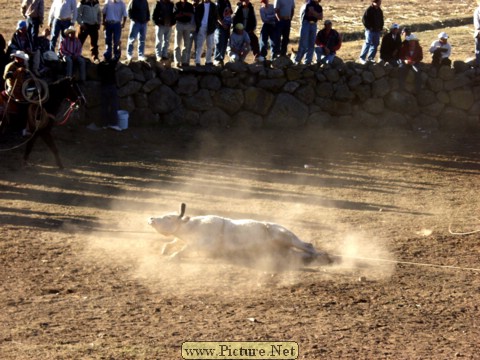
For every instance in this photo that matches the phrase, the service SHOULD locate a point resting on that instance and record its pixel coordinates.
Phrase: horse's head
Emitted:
(69, 88)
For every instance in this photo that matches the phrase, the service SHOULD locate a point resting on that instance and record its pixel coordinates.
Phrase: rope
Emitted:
(461, 233)
(409, 263)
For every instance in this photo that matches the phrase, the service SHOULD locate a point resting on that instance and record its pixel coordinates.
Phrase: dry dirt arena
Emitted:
(82, 276)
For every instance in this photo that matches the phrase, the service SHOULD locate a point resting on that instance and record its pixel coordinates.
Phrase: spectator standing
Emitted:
(441, 51)
(193, 33)
(89, 18)
(183, 13)
(328, 42)
(373, 21)
(310, 13)
(411, 54)
(245, 14)
(206, 17)
(284, 9)
(114, 18)
(164, 21)
(239, 44)
(33, 12)
(476, 24)
(139, 15)
(391, 44)
(62, 15)
(222, 31)
(269, 31)
(71, 53)
(22, 40)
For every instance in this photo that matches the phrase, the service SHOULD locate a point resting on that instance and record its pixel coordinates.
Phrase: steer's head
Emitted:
(168, 224)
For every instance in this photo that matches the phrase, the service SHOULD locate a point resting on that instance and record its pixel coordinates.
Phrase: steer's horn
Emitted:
(182, 210)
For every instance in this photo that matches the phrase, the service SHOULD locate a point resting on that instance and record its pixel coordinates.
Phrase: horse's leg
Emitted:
(46, 136)
(28, 148)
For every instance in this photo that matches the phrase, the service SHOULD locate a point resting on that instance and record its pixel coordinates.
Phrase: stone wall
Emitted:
(346, 95)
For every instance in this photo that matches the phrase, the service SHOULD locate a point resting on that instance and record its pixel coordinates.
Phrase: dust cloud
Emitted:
(236, 179)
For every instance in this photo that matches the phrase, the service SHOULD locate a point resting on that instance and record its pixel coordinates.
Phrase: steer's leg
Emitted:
(168, 245)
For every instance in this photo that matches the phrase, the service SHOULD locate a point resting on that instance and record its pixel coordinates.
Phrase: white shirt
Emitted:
(63, 9)
(436, 44)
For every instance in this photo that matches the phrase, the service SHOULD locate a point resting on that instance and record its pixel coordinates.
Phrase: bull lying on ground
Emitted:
(217, 236)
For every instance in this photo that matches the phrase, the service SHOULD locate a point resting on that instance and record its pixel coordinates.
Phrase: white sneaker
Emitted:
(361, 61)
(142, 58)
(115, 127)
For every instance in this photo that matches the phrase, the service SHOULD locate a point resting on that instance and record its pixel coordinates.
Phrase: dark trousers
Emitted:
(33, 26)
(269, 36)
(284, 33)
(87, 30)
(254, 43)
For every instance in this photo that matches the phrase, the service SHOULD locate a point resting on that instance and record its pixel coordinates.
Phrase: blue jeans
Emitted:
(284, 36)
(137, 30)
(113, 33)
(221, 40)
(33, 26)
(58, 26)
(369, 49)
(80, 61)
(306, 45)
(162, 40)
(268, 34)
(322, 57)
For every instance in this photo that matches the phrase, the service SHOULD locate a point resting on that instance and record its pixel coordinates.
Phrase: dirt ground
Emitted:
(82, 276)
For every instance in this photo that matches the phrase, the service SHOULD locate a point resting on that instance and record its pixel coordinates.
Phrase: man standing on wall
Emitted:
(114, 18)
(139, 15)
(62, 15)
(222, 32)
(310, 13)
(89, 18)
(33, 11)
(206, 17)
(373, 21)
(284, 10)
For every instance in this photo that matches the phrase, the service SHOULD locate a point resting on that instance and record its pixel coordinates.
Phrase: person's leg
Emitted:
(56, 28)
(263, 40)
(178, 35)
(108, 41)
(132, 36)
(375, 40)
(185, 59)
(303, 42)
(254, 44)
(221, 40)
(477, 51)
(68, 66)
(286, 24)
(93, 32)
(210, 46)
(201, 37)
(142, 31)
(166, 41)
(117, 35)
(366, 45)
(312, 33)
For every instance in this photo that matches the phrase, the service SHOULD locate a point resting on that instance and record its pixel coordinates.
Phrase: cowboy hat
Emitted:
(20, 54)
(71, 29)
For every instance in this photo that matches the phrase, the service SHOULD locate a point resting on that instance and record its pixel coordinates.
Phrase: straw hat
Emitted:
(71, 29)
(20, 54)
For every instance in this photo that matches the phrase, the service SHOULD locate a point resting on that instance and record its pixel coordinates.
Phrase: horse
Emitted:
(41, 115)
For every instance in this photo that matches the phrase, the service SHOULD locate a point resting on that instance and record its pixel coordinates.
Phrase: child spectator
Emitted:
(269, 32)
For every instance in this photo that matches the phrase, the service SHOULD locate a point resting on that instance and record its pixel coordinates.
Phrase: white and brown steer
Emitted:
(222, 237)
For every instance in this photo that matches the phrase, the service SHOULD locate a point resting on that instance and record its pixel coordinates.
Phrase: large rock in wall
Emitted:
(345, 95)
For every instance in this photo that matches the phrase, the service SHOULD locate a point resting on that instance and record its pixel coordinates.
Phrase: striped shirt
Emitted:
(71, 46)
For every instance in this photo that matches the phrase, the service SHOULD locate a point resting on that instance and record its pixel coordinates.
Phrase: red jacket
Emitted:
(411, 58)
